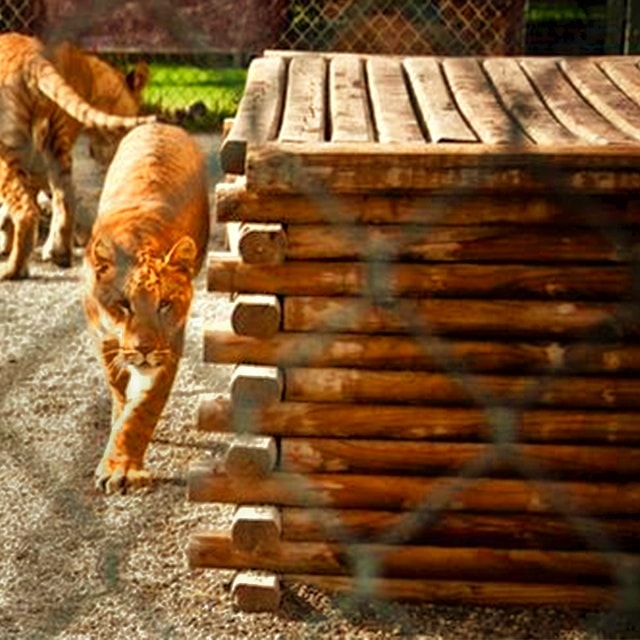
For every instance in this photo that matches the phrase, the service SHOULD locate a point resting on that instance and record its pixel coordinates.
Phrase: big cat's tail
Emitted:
(54, 86)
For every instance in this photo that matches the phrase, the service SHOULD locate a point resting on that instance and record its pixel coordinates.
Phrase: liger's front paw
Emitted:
(120, 476)
(60, 256)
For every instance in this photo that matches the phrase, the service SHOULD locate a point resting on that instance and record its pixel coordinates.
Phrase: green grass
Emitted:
(175, 89)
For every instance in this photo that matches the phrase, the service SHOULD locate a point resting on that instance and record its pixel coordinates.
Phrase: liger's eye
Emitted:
(164, 306)
(124, 305)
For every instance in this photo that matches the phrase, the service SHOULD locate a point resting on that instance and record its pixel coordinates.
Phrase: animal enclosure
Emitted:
(433, 266)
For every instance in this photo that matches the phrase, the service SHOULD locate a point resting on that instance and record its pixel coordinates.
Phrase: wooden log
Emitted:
(256, 315)
(494, 244)
(262, 243)
(255, 528)
(369, 169)
(251, 457)
(401, 493)
(251, 385)
(401, 422)
(495, 594)
(554, 461)
(223, 346)
(214, 550)
(468, 318)
(227, 274)
(254, 592)
(258, 114)
(235, 203)
(455, 388)
(519, 531)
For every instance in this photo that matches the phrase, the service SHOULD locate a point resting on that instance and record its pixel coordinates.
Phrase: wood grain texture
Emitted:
(235, 202)
(441, 118)
(457, 388)
(367, 169)
(392, 110)
(500, 594)
(567, 104)
(402, 493)
(213, 549)
(304, 117)
(258, 117)
(322, 455)
(468, 318)
(402, 422)
(517, 531)
(223, 346)
(228, 274)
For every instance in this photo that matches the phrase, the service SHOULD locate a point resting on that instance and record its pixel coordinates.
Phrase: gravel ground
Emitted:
(75, 564)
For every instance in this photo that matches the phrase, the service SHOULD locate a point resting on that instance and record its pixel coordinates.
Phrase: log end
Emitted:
(256, 592)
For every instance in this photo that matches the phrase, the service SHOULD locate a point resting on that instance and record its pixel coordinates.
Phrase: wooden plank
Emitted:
(304, 117)
(625, 73)
(524, 104)
(256, 315)
(258, 114)
(454, 388)
(234, 202)
(496, 594)
(227, 274)
(603, 94)
(367, 169)
(393, 114)
(568, 106)
(223, 346)
(479, 106)
(519, 531)
(401, 493)
(395, 421)
(350, 117)
(474, 243)
(440, 116)
(461, 317)
(337, 455)
(214, 550)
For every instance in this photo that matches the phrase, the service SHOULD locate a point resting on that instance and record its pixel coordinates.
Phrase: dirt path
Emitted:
(75, 564)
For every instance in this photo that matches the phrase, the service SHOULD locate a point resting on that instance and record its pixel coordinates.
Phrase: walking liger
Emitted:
(148, 242)
(46, 97)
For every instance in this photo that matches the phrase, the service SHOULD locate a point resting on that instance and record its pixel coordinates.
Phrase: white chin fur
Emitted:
(140, 381)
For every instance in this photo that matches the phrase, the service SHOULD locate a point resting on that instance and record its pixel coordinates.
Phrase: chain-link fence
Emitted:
(449, 27)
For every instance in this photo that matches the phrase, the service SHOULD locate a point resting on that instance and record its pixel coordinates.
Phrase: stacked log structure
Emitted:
(436, 384)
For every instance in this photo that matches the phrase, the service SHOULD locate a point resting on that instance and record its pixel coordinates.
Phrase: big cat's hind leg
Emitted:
(20, 222)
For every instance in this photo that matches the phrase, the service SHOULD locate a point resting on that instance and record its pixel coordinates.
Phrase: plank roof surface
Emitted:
(332, 104)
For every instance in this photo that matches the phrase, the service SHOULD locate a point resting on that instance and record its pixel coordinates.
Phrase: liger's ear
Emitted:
(183, 255)
(102, 255)
(138, 77)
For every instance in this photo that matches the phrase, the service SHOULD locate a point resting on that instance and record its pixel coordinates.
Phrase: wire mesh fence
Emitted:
(451, 27)
(503, 402)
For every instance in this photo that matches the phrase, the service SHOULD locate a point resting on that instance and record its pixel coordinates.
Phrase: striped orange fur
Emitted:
(46, 98)
(148, 243)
